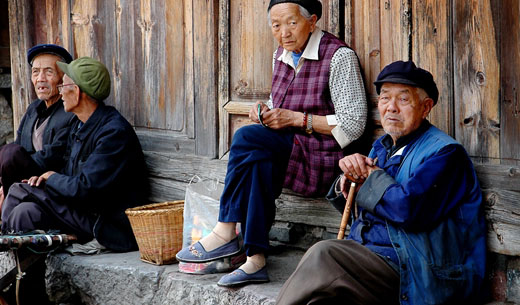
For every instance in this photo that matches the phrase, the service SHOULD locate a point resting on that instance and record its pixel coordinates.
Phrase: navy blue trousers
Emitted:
(256, 169)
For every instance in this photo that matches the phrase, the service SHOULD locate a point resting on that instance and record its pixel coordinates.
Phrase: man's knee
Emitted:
(23, 217)
(321, 249)
(9, 151)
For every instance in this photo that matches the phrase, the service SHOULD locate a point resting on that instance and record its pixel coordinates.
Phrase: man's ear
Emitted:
(428, 105)
(313, 21)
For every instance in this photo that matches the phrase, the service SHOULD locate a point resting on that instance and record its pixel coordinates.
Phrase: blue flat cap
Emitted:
(48, 49)
(406, 72)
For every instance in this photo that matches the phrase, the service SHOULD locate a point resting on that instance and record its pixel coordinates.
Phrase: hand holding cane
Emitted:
(348, 204)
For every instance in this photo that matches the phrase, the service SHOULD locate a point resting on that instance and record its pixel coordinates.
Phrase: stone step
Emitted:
(122, 278)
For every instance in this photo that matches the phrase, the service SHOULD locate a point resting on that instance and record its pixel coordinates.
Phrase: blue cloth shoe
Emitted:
(197, 254)
(239, 277)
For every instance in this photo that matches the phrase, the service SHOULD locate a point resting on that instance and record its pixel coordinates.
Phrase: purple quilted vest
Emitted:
(313, 164)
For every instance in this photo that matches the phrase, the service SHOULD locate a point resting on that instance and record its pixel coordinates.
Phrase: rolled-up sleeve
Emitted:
(348, 96)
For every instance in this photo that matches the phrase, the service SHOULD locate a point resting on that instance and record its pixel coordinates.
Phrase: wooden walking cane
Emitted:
(348, 204)
(346, 211)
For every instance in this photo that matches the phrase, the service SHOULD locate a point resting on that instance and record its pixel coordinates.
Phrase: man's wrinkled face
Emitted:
(401, 108)
(45, 76)
(290, 28)
(69, 93)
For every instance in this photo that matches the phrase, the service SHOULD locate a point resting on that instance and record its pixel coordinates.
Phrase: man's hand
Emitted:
(357, 166)
(37, 181)
(253, 112)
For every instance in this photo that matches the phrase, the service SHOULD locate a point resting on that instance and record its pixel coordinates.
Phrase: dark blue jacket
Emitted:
(105, 174)
(425, 206)
(54, 138)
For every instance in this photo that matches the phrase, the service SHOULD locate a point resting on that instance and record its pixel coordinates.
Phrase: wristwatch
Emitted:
(308, 129)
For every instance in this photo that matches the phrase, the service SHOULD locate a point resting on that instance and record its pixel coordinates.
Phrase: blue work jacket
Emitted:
(428, 199)
(105, 174)
(55, 135)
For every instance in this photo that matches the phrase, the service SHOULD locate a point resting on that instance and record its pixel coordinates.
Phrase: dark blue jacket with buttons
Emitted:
(105, 174)
(424, 213)
(54, 137)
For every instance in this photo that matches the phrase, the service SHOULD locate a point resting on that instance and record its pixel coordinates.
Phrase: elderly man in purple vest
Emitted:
(41, 138)
(317, 108)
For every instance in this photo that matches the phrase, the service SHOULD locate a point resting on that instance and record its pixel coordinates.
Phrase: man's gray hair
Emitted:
(303, 11)
(421, 93)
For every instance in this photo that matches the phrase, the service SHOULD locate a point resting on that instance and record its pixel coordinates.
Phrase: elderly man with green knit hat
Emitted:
(104, 175)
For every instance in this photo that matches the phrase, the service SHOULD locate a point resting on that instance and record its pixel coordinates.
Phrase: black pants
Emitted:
(28, 208)
(341, 272)
(16, 164)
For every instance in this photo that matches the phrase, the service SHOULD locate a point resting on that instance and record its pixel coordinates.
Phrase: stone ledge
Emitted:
(122, 278)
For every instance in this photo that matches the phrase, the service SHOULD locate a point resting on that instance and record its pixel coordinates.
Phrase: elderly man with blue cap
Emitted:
(104, 175)
(419, 236)
(42, 135)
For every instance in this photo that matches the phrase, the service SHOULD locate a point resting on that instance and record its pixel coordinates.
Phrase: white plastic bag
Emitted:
(201, 209)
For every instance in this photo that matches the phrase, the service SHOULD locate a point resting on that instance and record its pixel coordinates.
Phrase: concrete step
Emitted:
(122, 278)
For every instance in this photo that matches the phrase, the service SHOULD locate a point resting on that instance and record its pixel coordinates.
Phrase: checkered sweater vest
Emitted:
(313, 164)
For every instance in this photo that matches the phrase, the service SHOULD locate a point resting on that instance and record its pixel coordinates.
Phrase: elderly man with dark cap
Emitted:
(42, 135)
(105, 171)
(316, 111)
(419, 236)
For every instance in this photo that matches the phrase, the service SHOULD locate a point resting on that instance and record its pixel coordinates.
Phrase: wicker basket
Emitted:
(158, 230)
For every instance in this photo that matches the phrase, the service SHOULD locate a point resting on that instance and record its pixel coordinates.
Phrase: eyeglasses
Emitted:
(60, 87)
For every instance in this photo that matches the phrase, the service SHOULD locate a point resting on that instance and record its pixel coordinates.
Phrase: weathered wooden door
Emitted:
(161, 59)
(246, 48)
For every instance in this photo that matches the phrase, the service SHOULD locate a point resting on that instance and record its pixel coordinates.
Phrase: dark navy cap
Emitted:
(48, 49)
(406, 72)
(312, 6)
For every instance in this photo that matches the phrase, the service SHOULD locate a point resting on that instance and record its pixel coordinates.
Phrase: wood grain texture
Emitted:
(476, 79)
(510, 82)
(165, 141)
(205, 80)
(21, 39)
(223, 80)
(501, 193)
(432, 50)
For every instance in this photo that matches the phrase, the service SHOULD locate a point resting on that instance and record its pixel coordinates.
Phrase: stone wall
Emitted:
(6, 121)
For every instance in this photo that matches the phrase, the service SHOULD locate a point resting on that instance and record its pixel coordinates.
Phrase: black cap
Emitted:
(48, 49)
(406, 72)
(313, 6)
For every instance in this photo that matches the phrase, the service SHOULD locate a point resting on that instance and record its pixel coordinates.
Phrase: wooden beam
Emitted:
(509, 82)
(476, 79)
(223, 80)
(432, 50)
(205, 53)
(171, 173)
(21, 39)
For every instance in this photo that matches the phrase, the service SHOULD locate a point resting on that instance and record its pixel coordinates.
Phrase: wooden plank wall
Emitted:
(161, 58)
(510, 82)
(185, 73)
